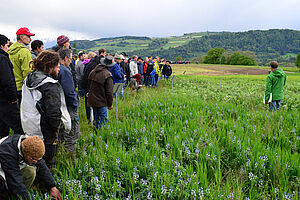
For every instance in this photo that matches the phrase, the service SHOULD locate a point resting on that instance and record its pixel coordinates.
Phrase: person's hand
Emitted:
(54, 193)
(14, 102)
(109, 108)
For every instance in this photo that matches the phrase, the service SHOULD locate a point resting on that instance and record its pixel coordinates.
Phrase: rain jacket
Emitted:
(43, 107)
(117, 74)
(275, 82)
(11, 163)
(157, 70)
(20, 57)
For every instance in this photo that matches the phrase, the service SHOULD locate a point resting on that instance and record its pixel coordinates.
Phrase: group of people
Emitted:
(39, 102)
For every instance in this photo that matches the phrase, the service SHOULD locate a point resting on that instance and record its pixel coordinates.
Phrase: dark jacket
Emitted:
(167, 70)
(66, 81)
(100, 87)
(87, 70)
(140, 67)
(125, 68)
(10, 158)
(8, 88)
(49, 106)
(117, 75)
(150, 69)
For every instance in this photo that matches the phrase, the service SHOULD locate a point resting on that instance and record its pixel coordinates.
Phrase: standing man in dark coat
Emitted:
(101, 91)
(9, 112)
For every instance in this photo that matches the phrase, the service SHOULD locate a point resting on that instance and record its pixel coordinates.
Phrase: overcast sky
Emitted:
(92, 19)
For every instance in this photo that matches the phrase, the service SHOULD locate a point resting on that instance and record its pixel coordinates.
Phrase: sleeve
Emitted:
(7, 80)
(25, 69)
(13, 176)
(52, 104)
(268, 89)
(109, 91)
(67, 83)
(43, 174)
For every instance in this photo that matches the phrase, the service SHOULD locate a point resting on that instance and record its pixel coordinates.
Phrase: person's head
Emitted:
(47, 62)
(24, 35)
(273, 65)
(37, 46)
(168, 62)
(91, 55)
(4, 43)
(65, 56)
(134, 57)
(102, 52)
(157, 58)
(63, 41)
(140, 59)
(118, 58)
(162, 60)
(33, 149)
(146, 59)
(108, 61)
(149, 58)
(154, 59)
(81, 56)
(74, 57)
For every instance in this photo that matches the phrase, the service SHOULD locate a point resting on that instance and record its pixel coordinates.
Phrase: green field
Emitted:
(210, 137)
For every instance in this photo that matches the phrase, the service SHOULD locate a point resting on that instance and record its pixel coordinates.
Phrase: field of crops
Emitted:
(207, 138)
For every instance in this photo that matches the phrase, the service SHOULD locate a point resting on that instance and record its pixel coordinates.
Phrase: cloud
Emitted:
(93, 19)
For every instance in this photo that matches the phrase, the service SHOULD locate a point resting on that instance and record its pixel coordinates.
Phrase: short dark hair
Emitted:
(64, 53)
(102, 51)
(36, 44)
(80, 54)
(274, 64)
(3, 40)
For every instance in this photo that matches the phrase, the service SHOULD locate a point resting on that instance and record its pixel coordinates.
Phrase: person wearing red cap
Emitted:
(20, 57)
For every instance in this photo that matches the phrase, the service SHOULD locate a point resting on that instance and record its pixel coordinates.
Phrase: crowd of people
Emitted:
(39, 99)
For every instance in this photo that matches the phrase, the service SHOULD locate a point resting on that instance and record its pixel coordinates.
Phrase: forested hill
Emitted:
(275, 44)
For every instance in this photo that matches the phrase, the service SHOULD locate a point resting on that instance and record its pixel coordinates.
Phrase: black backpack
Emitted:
(149, 68)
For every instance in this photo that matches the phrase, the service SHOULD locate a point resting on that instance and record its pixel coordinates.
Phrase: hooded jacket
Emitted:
(11, 163)
(157, 70)
(275, 82)
(20, 57)
(8, 88)
(167, 70)
(100, 87)
(43, 107)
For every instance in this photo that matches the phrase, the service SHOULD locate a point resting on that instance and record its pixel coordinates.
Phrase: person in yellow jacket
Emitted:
(157, 70)
(20, 57)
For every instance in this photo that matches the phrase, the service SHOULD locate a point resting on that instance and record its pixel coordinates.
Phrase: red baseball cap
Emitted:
(24, 31)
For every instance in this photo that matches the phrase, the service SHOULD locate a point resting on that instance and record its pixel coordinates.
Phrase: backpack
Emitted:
(149, 69)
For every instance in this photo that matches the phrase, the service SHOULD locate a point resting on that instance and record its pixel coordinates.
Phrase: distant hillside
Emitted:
(275, 44)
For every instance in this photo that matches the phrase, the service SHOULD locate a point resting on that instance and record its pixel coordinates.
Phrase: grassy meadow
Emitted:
(210, 137)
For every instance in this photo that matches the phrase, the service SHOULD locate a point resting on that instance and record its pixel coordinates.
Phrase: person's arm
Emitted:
(268, 89)
(7, 80)
(14, 176)
(52, 104)
(109, 91)
(67, 83)
(25, 60)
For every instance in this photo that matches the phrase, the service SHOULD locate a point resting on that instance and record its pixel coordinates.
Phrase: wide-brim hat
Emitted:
(108, 61)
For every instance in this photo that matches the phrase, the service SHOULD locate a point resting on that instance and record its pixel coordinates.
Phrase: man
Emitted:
(9, 111)
(157, 71)
(37, 46)
(140, 65)
(62, 42)
(133, 66)
(66, 80)
(167, 70)
(79, 72)
(101, 91)
(150, 73)
(20, 57)
(117, 73)
(43, 109)
(274, 87)
(145, 71)
(21, 164)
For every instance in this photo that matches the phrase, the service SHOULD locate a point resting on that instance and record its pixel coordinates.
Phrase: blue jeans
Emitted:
(274, 105)
(100, 116)
(167, 77)
(151, 81)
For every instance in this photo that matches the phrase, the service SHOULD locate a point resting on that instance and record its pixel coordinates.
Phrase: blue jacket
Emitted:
(153, 71)
(140, 67)
(65, 78)
(117, 73)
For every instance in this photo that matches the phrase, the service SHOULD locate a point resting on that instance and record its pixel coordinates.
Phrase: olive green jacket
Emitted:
(20, 57)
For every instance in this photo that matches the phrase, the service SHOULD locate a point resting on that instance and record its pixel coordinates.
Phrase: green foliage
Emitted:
(238, 58)
(157, 43)
(179, 58)
(297, 62)
(75, 48)
(215, 56)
